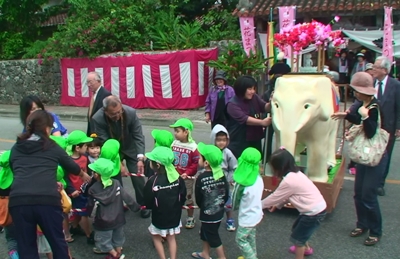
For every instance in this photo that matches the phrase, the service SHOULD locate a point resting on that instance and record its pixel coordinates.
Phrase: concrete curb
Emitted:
(148, 121)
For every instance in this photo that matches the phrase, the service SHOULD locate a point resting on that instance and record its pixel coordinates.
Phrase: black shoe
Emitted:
(1, 229)
(90, 239)
(145, 213)
(76, 231)
(381, 191)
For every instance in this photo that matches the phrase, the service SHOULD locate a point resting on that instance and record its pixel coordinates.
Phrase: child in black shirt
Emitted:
(164, 194)
(211, 191)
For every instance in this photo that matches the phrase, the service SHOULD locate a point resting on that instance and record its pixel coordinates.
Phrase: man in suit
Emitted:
(96, 99)
(120, 122)
(388, 94)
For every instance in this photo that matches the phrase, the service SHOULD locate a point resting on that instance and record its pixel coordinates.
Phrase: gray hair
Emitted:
(112, 101)
(97, 76)
(385, 63)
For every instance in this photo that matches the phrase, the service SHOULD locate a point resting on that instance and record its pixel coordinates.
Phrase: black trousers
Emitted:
(137, 182)
(49, 218)
(389, 150)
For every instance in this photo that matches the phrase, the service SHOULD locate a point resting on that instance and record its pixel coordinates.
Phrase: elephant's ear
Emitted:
(323, 90)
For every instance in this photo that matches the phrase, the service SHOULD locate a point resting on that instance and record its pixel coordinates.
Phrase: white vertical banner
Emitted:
(99, 70)
(166, 86)
(200, 67)
(84, 86)
(210, 77)
(147, 81)
(71, 82)
(184, 69)
(130, 82)
(115, 81)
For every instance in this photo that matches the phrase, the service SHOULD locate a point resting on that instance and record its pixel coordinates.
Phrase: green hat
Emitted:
(248, 167)
(163, 138)
(186, 124)
(6, 175)
(77, 137)
(110, 151)
(60, 176)
(165, 157)
(61, 141)
(213, 155)
(104, 168)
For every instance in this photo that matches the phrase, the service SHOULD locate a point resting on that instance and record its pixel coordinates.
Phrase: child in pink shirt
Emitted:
(296, 188)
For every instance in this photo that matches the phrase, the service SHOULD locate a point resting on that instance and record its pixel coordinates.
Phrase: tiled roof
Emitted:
(262, 7)
(55, 20)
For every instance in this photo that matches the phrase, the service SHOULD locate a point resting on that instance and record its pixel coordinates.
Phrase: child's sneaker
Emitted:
(307, 252)
(190, 222)
(352, 171)
(90, 239)
(230, 225)
(13, 254)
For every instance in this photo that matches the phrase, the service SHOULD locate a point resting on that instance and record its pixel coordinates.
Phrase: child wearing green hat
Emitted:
(211, 192)
(247, 196)
(186, 161)
(162, 138)
(6, 179)
(109, 197)
(78, 140)
(63, 143)
(164, 194)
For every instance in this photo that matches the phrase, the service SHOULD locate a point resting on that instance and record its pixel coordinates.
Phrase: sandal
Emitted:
(198, 255)
(357, 232)
(370, 241)
(69, 240)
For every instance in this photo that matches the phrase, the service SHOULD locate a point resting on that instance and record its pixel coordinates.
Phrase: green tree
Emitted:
(102, 26)
(19, 21)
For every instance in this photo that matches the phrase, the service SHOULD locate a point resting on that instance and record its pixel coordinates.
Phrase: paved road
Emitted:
(330, 242)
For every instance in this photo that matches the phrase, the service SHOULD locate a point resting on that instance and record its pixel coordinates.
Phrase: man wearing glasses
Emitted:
(120, 122)
(96, 99)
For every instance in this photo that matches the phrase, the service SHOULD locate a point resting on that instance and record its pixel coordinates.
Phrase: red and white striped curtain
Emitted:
(172, 80)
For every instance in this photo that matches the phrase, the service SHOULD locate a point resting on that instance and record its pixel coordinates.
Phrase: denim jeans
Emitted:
(366, 186)
(11, 237)
(304, 227)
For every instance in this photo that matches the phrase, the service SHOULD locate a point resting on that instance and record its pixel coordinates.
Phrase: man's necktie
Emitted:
(380, 93)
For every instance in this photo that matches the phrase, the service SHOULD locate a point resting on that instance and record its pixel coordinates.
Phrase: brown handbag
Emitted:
(5, 217)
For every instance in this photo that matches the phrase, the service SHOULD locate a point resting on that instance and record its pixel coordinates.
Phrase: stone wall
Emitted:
(19, 78)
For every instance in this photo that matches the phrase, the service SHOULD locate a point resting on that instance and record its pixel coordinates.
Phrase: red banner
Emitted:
(170, 80)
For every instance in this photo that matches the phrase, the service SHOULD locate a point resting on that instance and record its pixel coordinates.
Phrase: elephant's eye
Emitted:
(276, 105)
(306, 106)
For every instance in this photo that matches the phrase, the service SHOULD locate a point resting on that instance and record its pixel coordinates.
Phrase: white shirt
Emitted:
(95, 93)
(383, 86)
(250, 208)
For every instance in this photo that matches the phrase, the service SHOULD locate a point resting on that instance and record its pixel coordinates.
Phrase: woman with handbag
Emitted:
(367, 144)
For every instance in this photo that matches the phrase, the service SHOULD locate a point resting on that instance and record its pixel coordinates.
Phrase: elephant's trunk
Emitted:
(288, 141)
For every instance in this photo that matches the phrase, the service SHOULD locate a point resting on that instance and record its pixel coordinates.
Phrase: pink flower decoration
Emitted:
(40, 62)
(337, 18)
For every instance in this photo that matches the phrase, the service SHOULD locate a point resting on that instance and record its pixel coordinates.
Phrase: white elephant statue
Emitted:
(302, 106)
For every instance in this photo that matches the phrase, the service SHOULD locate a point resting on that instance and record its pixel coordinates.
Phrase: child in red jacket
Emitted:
(186, 160)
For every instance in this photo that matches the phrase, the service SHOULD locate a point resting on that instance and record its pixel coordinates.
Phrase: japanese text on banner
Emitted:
(248, 34)
(388, 34)
(287, 19)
